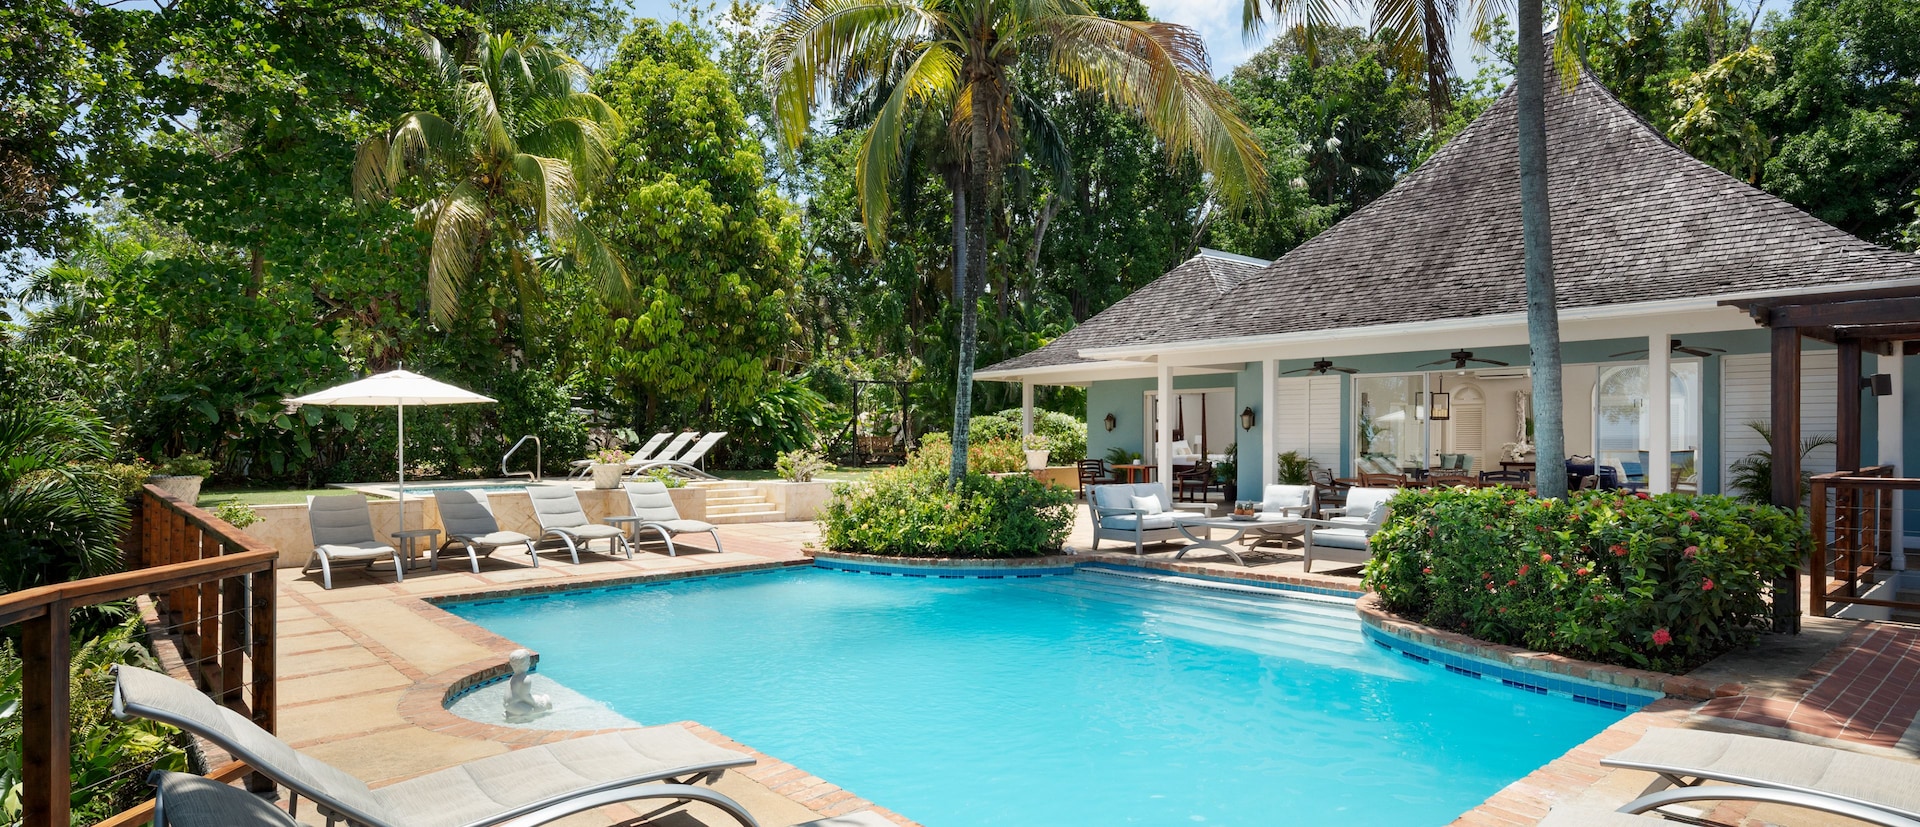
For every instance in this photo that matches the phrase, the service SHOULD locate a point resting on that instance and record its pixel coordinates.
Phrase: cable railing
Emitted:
(1853, 542)
(214, 593)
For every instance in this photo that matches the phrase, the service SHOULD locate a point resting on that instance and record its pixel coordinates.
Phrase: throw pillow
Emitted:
(1147, 506)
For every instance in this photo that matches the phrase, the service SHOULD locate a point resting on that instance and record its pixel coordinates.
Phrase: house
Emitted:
(1397, 338)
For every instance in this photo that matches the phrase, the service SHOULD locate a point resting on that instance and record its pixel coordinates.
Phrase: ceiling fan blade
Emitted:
(1348, 370)
(1489, 362)
(1431, 364)
(1296, 370)
(1628, 353)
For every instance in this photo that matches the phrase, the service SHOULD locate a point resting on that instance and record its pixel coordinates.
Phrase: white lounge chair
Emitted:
(182, 800)
(342, 529)
(1346, 536)
(558, 509)
(581, 467)
(469, 523)
(1137, 513)
(653, 509)
(496, 790)
(684, 464)
(1688, 757)
(1644, 811)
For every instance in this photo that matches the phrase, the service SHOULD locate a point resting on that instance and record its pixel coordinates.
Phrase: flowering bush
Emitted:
(910, 512)
(996, 456)
(799, 466)
(610, 456)
(1665, 582)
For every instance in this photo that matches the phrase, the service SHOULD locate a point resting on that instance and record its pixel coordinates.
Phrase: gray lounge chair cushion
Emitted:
(557, 506)
(524, 778)
(682, 526)
(651, 502)
(1369, 504)
(593, 532)
(494, 538)
(197, 801)
(340, 520)
(1351, 538)
(355, 551)
(1769, 762)
(1127, 522)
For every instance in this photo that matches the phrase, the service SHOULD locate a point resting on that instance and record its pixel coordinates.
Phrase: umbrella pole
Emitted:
(403, 466)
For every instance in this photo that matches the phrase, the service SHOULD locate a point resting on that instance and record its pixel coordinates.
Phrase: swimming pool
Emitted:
(1092, 698)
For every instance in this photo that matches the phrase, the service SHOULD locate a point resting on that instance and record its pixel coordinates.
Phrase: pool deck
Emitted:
(363, 669)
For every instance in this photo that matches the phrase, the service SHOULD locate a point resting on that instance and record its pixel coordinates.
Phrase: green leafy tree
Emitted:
(1716, 122)
(706, 242)
(960, 65)
(60, 514)
(507, 158)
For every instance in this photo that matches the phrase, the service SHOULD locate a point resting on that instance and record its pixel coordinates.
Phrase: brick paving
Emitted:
(366, 668)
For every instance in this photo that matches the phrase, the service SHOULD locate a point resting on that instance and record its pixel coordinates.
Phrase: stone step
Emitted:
(734, 499)
(750, 517)
(739, 508)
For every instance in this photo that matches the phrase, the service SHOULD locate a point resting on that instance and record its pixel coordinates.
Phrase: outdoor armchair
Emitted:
(1283, 506)
(497, 790)
(653, 510)
(685, 464)
(1346, 535)
(469, 522)
(558, 509)
(1138, 513)
(342, 529)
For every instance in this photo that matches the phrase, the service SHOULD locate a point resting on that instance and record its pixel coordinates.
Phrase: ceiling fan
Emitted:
(1321, 367)
(1701, 351)
(1460, 358)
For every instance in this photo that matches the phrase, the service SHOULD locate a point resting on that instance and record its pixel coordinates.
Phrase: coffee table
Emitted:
(1236, 529)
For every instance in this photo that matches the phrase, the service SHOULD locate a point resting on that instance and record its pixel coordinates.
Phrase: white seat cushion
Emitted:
(497, 538)
(353, 551)
(1352, 538)
(682, 526)
(1146, 505)
(1127, 522)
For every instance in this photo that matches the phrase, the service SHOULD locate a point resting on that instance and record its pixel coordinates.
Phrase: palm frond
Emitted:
(550, 189)
(825, 39)
(1043, 138)
(929, 81)
(415, 136)
(457, 223)
(584, 144)
(370, 179)
(1304, 19)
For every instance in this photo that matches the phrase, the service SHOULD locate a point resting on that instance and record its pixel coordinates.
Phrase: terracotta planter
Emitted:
(184, 489)
(607, 474)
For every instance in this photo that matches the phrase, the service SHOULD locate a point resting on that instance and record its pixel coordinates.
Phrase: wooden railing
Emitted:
(215, 590)
(1853, 539)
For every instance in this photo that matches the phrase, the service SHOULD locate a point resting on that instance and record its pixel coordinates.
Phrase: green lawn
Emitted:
(837, 473)
(263, 496)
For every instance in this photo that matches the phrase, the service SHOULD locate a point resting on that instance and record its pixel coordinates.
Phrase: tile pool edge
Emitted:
(1526, 669)
(547, 587)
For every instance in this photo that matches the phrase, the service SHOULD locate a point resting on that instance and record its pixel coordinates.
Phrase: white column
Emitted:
(1269, 429)
(1163, 435)
(1893, 446)
(1026, 407)
(1659, 414)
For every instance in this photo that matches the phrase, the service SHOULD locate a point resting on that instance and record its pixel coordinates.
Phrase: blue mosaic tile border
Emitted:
(911, 571)
(620, 587)
(1238, 581)
(1525, 680)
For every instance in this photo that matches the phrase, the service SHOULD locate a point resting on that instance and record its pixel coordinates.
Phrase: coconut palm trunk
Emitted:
(1543, 315)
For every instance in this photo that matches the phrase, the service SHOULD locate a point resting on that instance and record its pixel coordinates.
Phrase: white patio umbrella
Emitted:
(398, 388)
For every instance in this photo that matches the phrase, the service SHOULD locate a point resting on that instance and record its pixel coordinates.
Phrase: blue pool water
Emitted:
(1095, 698)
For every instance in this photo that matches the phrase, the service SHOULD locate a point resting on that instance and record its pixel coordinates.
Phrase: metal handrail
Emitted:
(537, 459)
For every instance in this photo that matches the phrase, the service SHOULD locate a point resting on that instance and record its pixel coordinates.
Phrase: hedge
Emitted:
(1666, 582)
(910, 512)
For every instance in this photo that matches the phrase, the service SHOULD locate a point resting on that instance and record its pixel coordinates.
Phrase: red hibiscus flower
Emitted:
(1619, 550)
(1706, 585)
(1691, 552)
(1662, 637)
(1545, 557)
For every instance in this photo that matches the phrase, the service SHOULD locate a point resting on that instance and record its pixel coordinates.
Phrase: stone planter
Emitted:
(608, 474)
(1037, 460)
(184, 489)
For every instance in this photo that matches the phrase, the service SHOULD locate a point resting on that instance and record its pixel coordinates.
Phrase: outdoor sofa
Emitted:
(1137, 513)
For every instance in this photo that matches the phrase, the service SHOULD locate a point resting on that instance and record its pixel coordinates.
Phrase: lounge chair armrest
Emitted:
(1204, 508)
(580, 804)
(1120, 512)
(1767, 795)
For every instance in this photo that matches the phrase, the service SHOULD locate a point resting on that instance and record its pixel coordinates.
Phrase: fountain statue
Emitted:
(522, 704)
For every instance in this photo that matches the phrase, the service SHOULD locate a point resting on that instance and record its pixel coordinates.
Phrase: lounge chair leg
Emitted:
(716, 541)
(670, 550)
(572, 548)
(474, 558)
(326, 572)
(534, 553)
(399, 568)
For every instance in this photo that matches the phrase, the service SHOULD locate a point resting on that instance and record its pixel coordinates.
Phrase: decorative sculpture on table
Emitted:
(522, 704)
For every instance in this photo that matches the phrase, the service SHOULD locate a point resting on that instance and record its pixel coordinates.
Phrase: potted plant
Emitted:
(181, 476)
(1295, 469)
(1036, 447)
(1227, 473)
(609, 465)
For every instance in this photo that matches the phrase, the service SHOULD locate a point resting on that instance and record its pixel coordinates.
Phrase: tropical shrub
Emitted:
(666, 477)
(61, 514)
(1664, 583)
(1752, 475)
(999, 456)
(185, 465)
(910, 512)
(1066, 435)
(799, 466)
(111, 758)
(236, 513)
(1295, 469)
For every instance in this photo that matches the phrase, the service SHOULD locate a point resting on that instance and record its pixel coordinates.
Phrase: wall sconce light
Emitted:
(1880, 383)
(1246, 418)
(1111, 422)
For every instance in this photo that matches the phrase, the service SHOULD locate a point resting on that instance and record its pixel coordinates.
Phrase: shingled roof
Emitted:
(1635, 219)
(1184, 292)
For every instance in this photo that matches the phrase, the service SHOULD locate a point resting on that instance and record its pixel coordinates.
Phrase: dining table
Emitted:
(1136, 471)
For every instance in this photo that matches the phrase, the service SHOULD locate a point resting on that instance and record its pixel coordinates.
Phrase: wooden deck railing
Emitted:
(1853, 541)
(215, 589)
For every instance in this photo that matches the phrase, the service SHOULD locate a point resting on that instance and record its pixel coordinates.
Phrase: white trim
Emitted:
(1223, 255)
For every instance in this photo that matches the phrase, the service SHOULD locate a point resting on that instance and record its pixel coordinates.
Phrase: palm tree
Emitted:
(61, 515)
(1416, 33)
(1752, 475)
(963, 53)
(516, 145)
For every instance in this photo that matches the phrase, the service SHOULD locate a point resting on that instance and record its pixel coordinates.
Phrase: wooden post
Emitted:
(233, 642)
(1817, 562)
(263, 656)
(1846, 450)
(211, 652)
(45, 729)
(1786, 463)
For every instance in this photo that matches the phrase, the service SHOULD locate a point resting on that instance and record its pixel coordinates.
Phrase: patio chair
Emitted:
(1328, 491)
(1191, 483)
(1644, 811)
(558, 509)
(684, 464)
(1515, 479)
(469, 522)
(653, 509)
(182, 800)
(1139, 513)
(1372, 479)
(342, 529)
(497, 790)
(1443, 479)
(580, 467)
(1093, 472)
(1285, 505)
(1346, 537)
(1689, 757)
